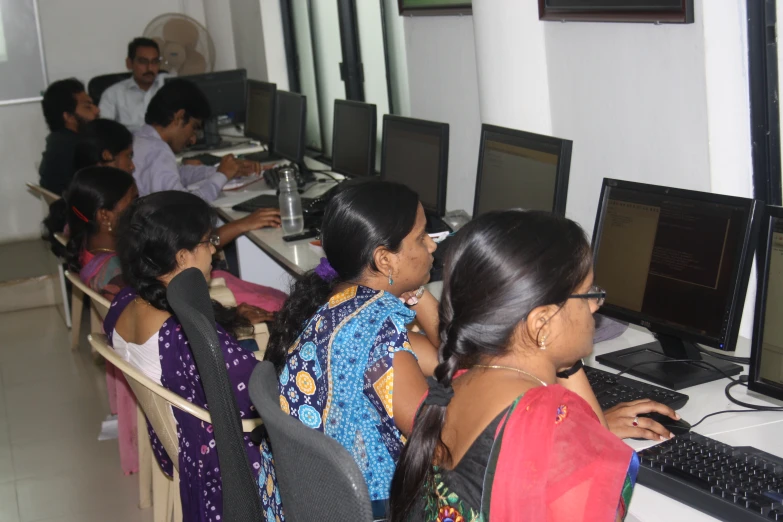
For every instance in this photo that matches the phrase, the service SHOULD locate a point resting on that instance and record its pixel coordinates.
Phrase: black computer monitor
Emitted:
(260, 113)
(766, 351)
(353, 140)
(225, 91)
(416, 153)
(289, 136)
(519, 169)
(676, 262)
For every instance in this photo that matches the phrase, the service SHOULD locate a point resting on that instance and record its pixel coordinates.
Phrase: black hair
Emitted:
(91, 190)
(175, 95)
(97, 136)
(60, 97)
(361, 216)
(501, 266)
(134, 45)
(151, 232)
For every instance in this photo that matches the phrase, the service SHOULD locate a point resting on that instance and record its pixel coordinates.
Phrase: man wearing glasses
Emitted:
(127, 101)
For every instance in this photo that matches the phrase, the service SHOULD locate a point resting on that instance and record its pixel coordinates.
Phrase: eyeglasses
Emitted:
(145, 61)
(213, 240)
(596, 294)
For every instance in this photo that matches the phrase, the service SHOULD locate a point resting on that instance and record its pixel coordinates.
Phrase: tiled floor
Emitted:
(52, 402)
(24, 259)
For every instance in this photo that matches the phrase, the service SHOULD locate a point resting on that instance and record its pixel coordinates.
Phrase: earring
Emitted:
(391, 281)
(109, 225)
(542, 343)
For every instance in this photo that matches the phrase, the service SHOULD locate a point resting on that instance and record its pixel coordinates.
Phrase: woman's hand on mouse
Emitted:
(621, 419)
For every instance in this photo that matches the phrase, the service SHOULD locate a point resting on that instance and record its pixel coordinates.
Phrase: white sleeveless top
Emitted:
(145, 357)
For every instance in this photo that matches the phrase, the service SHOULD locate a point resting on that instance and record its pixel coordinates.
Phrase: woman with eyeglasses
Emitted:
(159, 236)
(509, 428)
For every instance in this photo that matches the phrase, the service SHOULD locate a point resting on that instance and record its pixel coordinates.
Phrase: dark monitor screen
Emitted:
(290, 114)
(416, 153)
(353, 142)
(260, 116)
(674, 261)
(225, 91)
(766, 366)
(521, 170)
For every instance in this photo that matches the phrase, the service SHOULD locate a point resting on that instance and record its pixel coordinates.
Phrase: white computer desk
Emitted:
(264, 258)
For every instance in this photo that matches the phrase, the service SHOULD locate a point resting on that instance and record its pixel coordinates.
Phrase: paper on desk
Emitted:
(109, 429)
(228, 200)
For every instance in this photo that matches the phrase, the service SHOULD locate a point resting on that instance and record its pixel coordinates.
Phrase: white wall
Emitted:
(632, 97)
(217, 14)
(274, 47)
(512, 65)
(249, 37)
(82, 38)
(441, 56)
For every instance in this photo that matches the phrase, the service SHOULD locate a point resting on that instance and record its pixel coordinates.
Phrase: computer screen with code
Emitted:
(514, 176)
(670, 259)
(260, 111)
(771, 367)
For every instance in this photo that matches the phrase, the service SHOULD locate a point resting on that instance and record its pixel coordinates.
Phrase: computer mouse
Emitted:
(677, 427)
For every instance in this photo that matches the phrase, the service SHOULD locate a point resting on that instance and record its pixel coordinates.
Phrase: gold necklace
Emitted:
(500, 367)
(93, 250)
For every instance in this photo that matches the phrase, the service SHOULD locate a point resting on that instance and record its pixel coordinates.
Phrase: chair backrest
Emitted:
(99, 84)
(48, 196)
(188, 296)
(155, 400)
(101, 303)
(318, 479)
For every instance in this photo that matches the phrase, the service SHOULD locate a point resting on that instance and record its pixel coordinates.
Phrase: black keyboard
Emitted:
(261, 156)
(264, 201)
(730, 483)
(611, 390)
(206, 159)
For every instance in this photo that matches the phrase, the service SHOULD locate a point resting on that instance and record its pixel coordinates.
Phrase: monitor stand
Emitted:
(212, 139)
(435, 223)
(673, 375)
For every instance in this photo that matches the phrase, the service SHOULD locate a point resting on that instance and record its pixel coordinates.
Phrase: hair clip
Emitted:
(79, 214)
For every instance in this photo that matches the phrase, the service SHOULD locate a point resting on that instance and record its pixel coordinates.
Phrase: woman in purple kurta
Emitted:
(160, 235)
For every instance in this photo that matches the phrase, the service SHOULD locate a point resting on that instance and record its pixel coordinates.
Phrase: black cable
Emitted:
(692, 361)
(327, 173)
(754, 407)
(720, 413)
(750, 407)
(730, 358)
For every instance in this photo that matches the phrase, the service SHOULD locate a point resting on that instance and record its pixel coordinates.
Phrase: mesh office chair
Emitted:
(99, 84)
(317, 477)
(188, 296)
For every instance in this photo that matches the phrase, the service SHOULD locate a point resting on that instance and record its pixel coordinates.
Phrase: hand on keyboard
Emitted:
(621, 418)
(261, 218)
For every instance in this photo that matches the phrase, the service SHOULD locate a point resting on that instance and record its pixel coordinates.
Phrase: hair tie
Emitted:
(325, 271)
(79, 214)
(439, 394)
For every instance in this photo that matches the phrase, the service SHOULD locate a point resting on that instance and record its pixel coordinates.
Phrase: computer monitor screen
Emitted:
(290, 114)
(260, 115)
(766, 362)
(519, 169)
(225, 91)
(353, 142)
(674, 261)
(416, 153)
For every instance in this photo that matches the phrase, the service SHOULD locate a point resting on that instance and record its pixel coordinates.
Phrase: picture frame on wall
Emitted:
(435, 7)
(640, 11)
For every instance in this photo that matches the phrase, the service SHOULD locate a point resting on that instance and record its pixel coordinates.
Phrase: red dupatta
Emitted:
(554, 461)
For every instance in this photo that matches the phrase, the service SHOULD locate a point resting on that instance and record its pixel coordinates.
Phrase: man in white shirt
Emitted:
(127, 101)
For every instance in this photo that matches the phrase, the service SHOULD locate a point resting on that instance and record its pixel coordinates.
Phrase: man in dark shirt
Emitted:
(66, 107)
